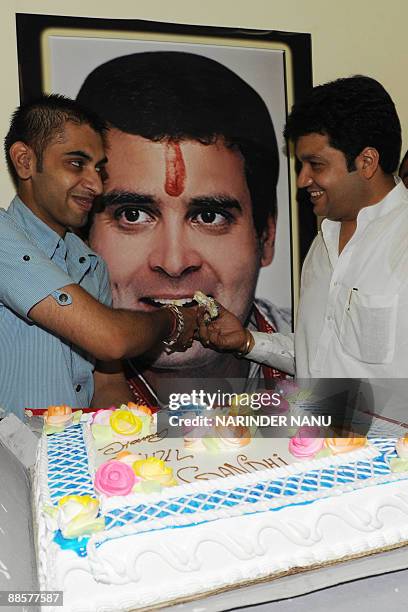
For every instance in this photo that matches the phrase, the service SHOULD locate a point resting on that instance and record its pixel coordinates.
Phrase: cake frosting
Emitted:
(223, 520)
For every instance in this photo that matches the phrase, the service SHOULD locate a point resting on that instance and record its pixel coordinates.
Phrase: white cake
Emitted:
(231, 519)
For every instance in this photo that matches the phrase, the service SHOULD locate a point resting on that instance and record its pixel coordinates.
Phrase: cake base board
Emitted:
(297, 581)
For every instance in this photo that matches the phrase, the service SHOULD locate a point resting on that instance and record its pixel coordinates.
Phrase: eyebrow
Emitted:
(115, 198)
(310, 157)
(216, 201)
(86, 156)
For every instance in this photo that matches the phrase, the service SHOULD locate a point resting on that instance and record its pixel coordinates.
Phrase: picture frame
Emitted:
(55, 53)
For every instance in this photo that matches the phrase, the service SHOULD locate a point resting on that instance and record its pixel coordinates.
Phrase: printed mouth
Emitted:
(157, 302)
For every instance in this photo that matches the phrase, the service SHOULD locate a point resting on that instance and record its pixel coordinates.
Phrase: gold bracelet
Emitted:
(247, 345)
(177, 329)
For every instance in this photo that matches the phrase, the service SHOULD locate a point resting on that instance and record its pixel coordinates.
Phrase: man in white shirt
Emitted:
(353, 311)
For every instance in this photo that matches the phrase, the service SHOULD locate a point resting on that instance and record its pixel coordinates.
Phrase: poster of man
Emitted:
(196, 195)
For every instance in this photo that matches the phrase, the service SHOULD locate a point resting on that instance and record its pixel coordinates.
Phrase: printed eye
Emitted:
(131, 215)
(212, 217)
(78, 163)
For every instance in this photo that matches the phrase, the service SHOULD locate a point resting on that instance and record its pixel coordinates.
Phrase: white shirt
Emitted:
(353, 310)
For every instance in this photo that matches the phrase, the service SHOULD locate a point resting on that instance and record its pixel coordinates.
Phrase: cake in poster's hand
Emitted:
(208, 302)
(124, 423)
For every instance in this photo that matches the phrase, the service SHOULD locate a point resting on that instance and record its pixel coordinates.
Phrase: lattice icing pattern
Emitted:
(68, 473)
(68, 465)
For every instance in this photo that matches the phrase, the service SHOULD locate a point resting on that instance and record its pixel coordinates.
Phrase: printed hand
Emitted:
(225, 333)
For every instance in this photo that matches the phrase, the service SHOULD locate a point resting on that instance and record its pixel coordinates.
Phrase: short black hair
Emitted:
(171, 95)
(354, 113)
(38, 122)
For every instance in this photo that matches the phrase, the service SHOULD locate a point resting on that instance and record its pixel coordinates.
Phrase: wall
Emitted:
(348, 37)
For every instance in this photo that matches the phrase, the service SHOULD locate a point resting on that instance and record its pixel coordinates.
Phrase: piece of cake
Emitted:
(208, 303)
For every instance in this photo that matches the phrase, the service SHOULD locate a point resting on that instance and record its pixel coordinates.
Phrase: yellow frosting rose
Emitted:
(125, 423)
(77, 516)
(153, 469)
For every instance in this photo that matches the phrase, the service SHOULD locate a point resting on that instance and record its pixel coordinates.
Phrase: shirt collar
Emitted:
(38, 232)
(46, 238)
(396, 197)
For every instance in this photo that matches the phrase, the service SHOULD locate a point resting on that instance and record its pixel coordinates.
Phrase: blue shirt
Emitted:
(38, 368)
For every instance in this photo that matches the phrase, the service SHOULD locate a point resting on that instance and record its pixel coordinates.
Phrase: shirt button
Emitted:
(26, 257)
(63, 298)
(78, 388)
(82, 259)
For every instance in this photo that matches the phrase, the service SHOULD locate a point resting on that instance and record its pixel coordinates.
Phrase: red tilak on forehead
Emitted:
(175, 170)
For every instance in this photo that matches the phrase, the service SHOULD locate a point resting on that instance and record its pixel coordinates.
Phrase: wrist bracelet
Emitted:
(245, 350)
(178, 326)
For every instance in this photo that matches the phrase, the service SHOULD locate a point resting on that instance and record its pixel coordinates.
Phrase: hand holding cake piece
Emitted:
(225, 333)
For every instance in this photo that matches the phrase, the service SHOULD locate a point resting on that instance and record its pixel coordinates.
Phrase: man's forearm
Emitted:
(104, 332)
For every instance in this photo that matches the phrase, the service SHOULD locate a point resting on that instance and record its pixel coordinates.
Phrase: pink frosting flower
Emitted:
(115, 478)
(305, 445)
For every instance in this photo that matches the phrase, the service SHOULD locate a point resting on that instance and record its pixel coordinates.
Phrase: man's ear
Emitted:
(367, 162)
(23, 159)
(268, 241)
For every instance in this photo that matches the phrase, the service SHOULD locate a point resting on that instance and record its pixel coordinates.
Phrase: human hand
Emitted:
(225, 333)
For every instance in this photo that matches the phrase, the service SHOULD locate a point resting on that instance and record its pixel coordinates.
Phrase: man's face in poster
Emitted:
(177, 217)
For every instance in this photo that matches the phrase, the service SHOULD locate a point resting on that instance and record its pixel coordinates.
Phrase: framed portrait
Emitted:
(56, 54)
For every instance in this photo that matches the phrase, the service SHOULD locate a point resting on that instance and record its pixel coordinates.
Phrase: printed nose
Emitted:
(175, 255)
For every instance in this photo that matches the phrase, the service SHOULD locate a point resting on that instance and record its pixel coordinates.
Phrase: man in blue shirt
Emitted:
(60, 342)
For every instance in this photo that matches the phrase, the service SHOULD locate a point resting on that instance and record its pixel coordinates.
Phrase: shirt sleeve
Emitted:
(27, 274)
(274, 350)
